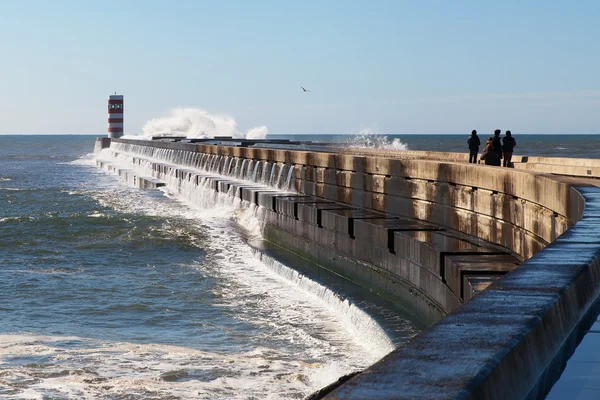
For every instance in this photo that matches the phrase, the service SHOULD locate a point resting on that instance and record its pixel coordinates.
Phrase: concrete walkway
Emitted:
(581, 379)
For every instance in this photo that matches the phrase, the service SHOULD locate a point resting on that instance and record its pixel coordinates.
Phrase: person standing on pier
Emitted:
(508, 144)
(489, 156)
(497, 144)
(473, 142)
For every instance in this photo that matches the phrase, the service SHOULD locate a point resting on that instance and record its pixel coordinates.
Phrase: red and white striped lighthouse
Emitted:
(115, 116)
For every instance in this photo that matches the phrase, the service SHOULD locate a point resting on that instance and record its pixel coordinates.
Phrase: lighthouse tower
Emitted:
(115, 116)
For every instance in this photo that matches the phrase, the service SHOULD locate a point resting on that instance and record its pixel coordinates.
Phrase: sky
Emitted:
(383, 66)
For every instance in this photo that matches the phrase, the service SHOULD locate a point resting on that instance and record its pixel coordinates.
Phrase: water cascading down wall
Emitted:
(431, 235)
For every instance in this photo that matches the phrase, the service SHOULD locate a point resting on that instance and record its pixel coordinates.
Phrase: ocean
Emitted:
(112, 292)
(549, 145)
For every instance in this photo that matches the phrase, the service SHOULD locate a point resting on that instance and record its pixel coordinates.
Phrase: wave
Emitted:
(197, 123)
(39, 367)
(87, 159)
(368, 139)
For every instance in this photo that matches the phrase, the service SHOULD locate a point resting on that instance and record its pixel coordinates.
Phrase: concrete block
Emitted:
(251, 194)
(311, 212)
(211, 182)
(343, 178)
(223, 186)
(318, 159)
(428, 248)
(344, 162)
(475, 284)
(149, 183)
(297, 157)
(308, 188)
(308, 173)
(357, 181)
(288, 205)
(267, 200)
(343, 220)
(459, 266)
(380, 232)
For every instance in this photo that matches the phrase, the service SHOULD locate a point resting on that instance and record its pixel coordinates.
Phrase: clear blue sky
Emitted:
(391, 66)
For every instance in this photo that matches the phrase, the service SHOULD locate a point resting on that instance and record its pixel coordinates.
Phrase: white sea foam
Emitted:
(259, 132)
(88, 159)
(97, 214)
(9, 219)
(198, 123)
(75, 367)
(367, 138)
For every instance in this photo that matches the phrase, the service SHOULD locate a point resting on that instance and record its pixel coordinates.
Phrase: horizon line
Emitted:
(303, 133)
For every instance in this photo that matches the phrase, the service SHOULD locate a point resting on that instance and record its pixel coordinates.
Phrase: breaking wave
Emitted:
(198, 123)
(367, 139)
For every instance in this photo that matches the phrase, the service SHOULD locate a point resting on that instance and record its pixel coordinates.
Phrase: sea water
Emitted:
(112, 292)
(547, 145)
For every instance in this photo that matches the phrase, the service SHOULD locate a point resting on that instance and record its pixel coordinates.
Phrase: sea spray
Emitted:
(368, 139)
(364, 329)
(197, 123)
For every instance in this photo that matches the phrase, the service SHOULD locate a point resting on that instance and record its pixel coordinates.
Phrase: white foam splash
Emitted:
(87, 159)
(82, 368)
(198, 123)
(368, 139)
(8, 219)
(259, 132)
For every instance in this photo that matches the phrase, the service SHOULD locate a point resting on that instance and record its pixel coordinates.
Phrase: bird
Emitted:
(304, 90)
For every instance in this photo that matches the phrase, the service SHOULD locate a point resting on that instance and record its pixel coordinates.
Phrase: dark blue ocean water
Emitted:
(567, 145)
(111, 292)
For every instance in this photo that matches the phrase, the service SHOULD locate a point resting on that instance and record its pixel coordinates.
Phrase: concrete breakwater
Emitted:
(428, 233)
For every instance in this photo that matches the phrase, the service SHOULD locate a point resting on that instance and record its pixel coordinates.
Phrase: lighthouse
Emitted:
(115, 116)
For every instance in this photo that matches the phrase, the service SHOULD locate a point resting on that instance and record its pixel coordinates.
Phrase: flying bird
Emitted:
(304, 90)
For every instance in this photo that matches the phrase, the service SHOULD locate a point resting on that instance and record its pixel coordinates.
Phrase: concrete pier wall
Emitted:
(432, 234)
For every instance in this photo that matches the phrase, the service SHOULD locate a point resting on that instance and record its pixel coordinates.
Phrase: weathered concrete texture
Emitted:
(312, 213)
(101, 143)
(421, 189)
(466, 274)
(130, 176)
(582, 167)
(376, 279)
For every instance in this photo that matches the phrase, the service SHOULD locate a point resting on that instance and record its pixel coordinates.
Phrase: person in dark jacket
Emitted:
(473, 142)
(497, 144)
(508, 144)
(489, 156)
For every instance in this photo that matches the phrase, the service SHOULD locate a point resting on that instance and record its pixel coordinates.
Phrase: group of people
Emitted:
(498, 151)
